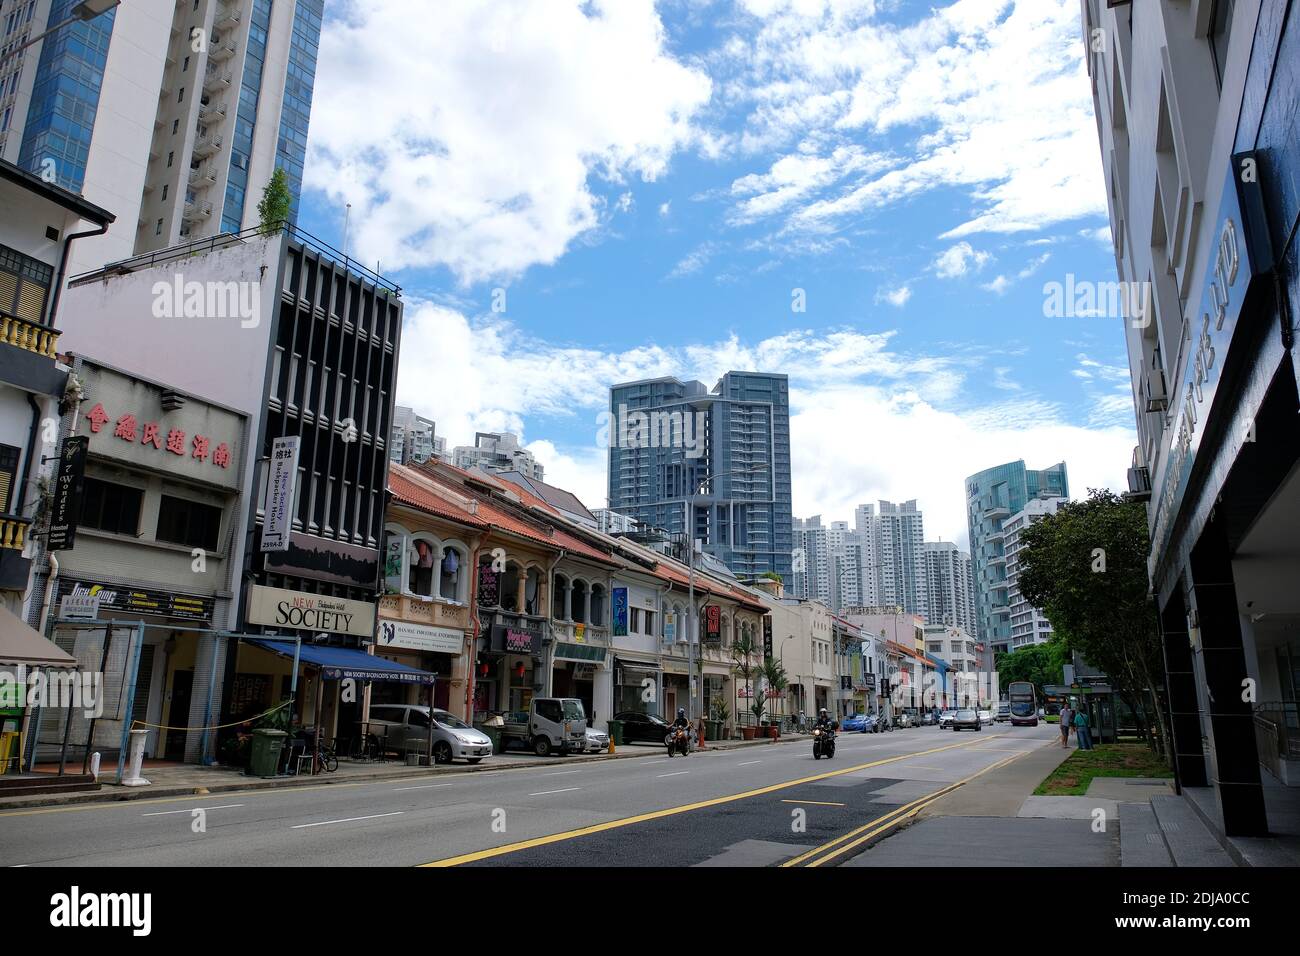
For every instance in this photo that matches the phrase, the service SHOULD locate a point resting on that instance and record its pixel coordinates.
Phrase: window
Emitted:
(24, 285)
(176, 125)
(157, 229)
(185, 65)
(420, 561)
(111, 507)
(166, 186)
(9, 503)
(649, 622)
(190, 523)
(180, 95)
(1220, 34)
(634, 620)
(451, 570)
(170, 156)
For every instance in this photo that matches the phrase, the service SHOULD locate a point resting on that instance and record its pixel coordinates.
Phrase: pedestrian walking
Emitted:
(1066, 716)
(1082, 732)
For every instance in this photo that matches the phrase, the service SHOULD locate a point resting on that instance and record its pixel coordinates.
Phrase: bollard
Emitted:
(133, 778)
(94, 765)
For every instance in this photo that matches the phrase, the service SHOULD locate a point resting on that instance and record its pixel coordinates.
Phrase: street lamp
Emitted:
(691, 617)
(85, 10)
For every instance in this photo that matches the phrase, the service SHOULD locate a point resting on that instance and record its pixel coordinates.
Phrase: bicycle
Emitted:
(326, 758)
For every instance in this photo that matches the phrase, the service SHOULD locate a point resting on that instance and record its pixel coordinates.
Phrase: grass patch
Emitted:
(1071, 778)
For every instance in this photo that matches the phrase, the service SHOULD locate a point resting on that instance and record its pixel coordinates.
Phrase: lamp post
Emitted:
(692, 629)
(86, 10)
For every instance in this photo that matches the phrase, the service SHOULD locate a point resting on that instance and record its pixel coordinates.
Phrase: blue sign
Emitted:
(620, 612)
(1242, 251)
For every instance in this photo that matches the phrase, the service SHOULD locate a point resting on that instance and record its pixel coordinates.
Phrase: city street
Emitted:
(752, 806)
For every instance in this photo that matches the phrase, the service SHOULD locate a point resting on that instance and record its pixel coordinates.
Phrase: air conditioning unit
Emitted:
(1154, 383)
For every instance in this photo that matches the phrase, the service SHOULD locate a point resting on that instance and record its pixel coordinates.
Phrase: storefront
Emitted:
(638, 685)
(575, 670)
(512, 665)
(436, 650)
(676, 688)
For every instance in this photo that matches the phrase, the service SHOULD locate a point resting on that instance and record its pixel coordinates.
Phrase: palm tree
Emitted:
(744, 650)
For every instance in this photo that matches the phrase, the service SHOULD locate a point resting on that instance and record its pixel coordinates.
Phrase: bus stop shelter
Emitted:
(23, 654)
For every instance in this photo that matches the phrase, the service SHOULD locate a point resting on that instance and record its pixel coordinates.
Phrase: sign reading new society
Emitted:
(278, 607)
(277, 520)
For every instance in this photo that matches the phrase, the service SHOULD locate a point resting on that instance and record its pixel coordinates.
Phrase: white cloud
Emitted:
(896, 297)
(694, 261)
(1002, 283)
(665, 208)
(925, 434)
(957, 260)
(991, 95)
(505, 112)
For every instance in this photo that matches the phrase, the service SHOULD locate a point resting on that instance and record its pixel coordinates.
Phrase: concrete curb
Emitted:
(235, 783)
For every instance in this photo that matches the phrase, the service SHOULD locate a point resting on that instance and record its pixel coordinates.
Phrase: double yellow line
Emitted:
(687, 808)
(855, 838)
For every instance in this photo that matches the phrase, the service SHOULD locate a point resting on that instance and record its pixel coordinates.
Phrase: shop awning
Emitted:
(20, 644)
(337, 663)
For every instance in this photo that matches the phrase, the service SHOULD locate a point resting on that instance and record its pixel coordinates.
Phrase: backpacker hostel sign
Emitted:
(278, 607)
(277, 522)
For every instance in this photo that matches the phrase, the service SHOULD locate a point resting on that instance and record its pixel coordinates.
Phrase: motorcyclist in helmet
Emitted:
(681, 720)
(823, 720)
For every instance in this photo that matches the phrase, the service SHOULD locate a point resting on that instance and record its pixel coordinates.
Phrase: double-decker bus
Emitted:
(1024, 703)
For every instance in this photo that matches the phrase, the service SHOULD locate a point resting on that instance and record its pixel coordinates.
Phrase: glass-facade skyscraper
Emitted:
(668, 436)
(993, 496)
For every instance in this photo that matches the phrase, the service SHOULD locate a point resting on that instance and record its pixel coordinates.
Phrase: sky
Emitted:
(871, 196)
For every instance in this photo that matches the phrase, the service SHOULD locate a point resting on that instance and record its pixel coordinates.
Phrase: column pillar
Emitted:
(1180, 683)
(1223, 656)
(520, 590)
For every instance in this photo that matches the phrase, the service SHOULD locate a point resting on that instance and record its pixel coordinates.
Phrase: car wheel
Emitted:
(442, 752)
(541, 746)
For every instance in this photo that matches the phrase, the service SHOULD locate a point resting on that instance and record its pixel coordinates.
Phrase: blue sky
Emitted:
(651, 185)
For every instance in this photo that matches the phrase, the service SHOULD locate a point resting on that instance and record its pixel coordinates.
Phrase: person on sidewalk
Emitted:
(1066, 716)
(1081, 729)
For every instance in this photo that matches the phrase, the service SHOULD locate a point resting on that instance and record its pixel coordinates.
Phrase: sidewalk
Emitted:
(179, 780)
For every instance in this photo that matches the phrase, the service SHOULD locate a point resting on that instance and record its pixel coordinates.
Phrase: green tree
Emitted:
(273, 209)
(746, 656)
(1086, 568)
(775, 676)
(1040, 664)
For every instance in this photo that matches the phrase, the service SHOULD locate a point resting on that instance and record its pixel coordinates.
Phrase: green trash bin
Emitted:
(264, 760)
(493, 734)
(616, 732)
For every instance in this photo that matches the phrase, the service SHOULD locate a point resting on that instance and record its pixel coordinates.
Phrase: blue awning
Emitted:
(337, 663)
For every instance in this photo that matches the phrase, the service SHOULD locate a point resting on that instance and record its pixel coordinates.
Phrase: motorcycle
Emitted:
(678, 741)
(824, 742)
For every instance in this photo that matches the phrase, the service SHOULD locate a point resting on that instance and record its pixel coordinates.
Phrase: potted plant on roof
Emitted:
(744, 651)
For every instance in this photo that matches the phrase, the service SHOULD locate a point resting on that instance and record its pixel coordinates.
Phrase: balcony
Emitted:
(13, 532)
(207, 146)
(216, 80)
(995, 509)
(221, 52)
(591, 633)
(212, 112)
(197, 212)
(28, 353)
(202, 177)
(438, 613)
(227, 18)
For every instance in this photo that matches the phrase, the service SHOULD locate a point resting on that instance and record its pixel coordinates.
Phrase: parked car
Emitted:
(855, 724)
(907, 717)
(647, 728)
(966, 719)
(929, 718)
(597, 741)
(986, 716)
(405, 727)
(945, 719)
(1003, 712)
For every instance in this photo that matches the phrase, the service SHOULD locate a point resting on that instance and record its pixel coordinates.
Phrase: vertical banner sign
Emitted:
(67, 493)
(670, 627)
(620, 612)
(489, 585)
(767, 636)
(280, 486)
(712, 624)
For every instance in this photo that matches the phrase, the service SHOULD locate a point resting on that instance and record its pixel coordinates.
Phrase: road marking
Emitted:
(815, 803)
(748, 762)
(545, 793)
(886, 821)
(560, 773)
(677, 774)
(325, 823)
(165, 813)
(430, 786)
(667, 812)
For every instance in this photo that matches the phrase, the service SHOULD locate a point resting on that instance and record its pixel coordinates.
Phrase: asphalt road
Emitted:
(752, 806)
